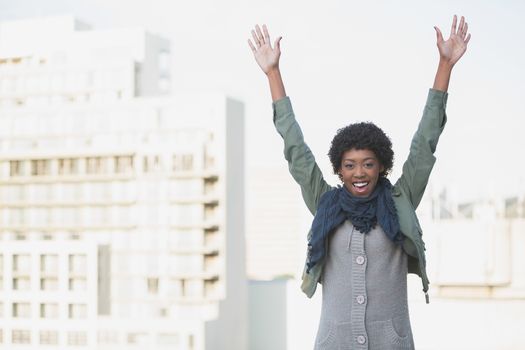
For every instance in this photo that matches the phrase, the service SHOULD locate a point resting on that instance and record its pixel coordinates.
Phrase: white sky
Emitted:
(345, 61)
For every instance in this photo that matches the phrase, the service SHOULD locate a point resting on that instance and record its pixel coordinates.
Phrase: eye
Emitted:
(349, 166)
(369, 165)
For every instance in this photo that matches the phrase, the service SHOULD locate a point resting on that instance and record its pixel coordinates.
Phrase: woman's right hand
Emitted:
(266, 56)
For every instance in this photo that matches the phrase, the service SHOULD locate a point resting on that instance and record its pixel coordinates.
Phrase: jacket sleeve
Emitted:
(421, 159)
(301, 161)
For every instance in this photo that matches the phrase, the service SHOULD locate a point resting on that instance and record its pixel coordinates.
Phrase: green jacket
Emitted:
(407, 191)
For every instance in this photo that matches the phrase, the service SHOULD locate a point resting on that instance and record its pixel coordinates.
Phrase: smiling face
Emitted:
(360, 171)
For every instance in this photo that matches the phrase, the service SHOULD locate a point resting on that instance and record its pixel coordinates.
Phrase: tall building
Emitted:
(277, 223)
(121, 207)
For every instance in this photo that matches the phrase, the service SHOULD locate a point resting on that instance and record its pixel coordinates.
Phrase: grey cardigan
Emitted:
(407, 191)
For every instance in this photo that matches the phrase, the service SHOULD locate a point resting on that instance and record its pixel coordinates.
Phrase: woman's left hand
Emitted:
(451, 50)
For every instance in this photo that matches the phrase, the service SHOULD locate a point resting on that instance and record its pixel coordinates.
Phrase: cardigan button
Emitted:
(360, 299)
(361, 339)
(360, 260)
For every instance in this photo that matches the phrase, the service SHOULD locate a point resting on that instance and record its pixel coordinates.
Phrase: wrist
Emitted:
(273, 72)
(445, 65)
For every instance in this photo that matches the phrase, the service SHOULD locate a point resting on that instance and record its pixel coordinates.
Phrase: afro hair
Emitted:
(362, 136)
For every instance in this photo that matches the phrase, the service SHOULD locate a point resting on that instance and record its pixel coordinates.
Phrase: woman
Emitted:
(365, 236)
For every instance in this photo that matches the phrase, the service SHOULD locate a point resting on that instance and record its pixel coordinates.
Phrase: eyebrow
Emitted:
(351, 160)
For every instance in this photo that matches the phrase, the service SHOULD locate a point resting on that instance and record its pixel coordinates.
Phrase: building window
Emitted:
(151, 164)
(77, 311)
(21, 336)
(153, 285)
(40, 167)
(211, 262)
(21, 263)
(211, 288)
(49, 283)
(123, 164)
(21, 310)
(49, 263)
(77, 264)
(49, 310)
(16, 168)
(210, 212)
(18, 235)
(210, 186)
(77, 338)
(67, 166)
(21, 283)
(182, 162)
(78, 283)
(95, 165)
(48, 337)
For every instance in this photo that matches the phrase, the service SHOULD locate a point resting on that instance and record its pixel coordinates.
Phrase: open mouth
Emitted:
(360, 187)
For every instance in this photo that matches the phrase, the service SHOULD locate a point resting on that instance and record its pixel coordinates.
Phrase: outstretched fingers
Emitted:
(467, 39)
(454, 23)
(465, 31)
(439, 35)
(277, 43)
(266, 34)
(256, 39)
(254, 50)
(260, 34)
(461, 26)
(261, 38)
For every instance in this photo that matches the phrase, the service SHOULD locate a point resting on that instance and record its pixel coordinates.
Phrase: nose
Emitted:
(359, 172)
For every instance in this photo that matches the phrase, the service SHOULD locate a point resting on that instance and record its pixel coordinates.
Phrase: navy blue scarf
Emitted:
(364, 213)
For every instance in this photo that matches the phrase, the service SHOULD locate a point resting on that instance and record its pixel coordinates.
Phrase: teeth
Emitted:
(360, 184)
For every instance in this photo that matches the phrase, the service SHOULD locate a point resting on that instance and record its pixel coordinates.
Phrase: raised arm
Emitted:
(301, 161)
(418, 166)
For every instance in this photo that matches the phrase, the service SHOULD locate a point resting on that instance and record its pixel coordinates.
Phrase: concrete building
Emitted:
(476, 266)
(276, 224)
(121, 207)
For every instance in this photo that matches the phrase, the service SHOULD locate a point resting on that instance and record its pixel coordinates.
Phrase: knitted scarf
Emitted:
(364, 213)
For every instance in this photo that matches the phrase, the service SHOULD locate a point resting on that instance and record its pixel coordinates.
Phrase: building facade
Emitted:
(121, 207)
(475, 262)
